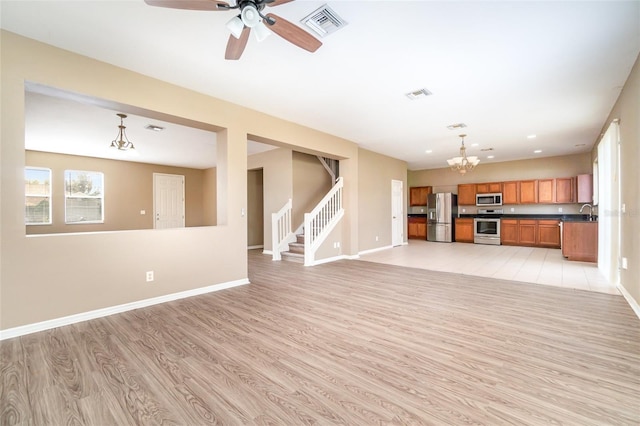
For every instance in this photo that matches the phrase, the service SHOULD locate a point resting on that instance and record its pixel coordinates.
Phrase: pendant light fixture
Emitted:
(121, 141)
(462, 164)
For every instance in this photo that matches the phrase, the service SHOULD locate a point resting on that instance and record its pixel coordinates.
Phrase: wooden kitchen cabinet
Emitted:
(509, 232)
(530, 232)
(546, 191)
(418, 195)
(510, 194)
(580, 241)
(417, 228)
(467, 194)
(528, 190)
(527, 232)
(464, 230)
(549, 233)
(565, 190)
(584, 184)
(488, 188)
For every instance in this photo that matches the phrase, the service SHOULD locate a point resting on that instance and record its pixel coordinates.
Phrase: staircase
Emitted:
(317, 226)
(296, 250)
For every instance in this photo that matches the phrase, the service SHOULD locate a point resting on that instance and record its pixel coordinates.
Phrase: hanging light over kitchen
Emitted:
(462, 164)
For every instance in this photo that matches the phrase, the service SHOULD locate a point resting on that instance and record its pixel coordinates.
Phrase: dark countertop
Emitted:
(561, 217)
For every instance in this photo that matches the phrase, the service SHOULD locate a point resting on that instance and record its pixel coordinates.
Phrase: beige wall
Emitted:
(311, 182)
(128, 190)
(209, 197)
(627, 109)
(374, 197)
(277, 181)
(182, 259)
(255, 208)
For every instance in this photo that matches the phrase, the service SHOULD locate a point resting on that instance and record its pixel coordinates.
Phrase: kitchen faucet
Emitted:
(590, 210)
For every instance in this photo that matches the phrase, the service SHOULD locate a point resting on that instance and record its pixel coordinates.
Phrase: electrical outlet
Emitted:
(463, 211)
(143, 212)
(377, 238)
(559, 209)
(624, 263)
(149, 276)
(513, 209)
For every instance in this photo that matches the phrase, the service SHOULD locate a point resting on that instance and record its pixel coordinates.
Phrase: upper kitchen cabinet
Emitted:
(467, 194)
(528, 190)
(565, 190)
(418, 195)
(510, 194)
(558, 190)
(489, 188)
(584, 188)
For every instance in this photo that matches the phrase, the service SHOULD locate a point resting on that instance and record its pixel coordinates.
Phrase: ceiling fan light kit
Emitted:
(250, 18)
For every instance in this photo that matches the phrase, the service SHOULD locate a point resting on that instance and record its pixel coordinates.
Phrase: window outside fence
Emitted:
(84, 196)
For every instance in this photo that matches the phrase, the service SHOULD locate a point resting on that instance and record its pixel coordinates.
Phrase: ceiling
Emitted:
(506, 69)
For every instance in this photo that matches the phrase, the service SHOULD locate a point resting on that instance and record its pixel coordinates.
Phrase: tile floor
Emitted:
(529, 264)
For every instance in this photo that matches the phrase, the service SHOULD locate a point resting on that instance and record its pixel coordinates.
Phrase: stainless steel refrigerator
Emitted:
(442, 207)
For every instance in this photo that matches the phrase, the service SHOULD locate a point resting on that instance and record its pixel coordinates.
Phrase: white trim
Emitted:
(373, 250)
(255, 247)
(99, 313)
(353, 256)
(327, 260)
(269, 252)
(630, 300)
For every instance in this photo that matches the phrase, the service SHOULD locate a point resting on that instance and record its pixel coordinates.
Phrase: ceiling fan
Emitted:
(250, 17)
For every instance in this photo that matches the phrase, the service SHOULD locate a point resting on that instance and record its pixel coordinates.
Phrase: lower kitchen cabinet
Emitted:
(464, 230)
(417, 228)
(580, 241)
(549, 233)
(530, 232)
(509, 232)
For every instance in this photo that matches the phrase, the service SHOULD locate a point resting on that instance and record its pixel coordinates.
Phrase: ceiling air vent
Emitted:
(417, 94)
(323, 21)
(456, 126)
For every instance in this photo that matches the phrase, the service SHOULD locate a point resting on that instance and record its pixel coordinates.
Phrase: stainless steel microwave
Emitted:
(489, 199)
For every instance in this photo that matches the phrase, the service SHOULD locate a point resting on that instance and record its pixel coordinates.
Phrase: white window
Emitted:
(37, 190)
(83, 196)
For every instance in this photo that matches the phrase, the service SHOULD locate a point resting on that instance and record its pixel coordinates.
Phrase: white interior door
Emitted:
(168, 201)
(397, 218)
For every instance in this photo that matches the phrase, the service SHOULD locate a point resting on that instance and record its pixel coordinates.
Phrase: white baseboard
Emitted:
(630, 300)
(328, 259)
(255, 247)
(269, 252)
(99, 313)
(374, 250)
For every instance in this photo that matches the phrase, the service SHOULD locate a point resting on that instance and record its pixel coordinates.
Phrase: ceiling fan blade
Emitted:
(293, 33)
(278, 2)
(235, 46)
(190, 4)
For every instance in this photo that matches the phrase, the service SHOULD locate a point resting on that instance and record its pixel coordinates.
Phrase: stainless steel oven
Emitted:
(487, 229)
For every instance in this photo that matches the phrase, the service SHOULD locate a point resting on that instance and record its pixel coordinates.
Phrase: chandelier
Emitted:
(462, 164)
(121, 141)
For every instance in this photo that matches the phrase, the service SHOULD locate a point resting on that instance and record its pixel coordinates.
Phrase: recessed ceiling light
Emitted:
(456, 126)
(154, 128)
(490, 156)
(537, 151)
(486, 149)
(417, 94)
(429, 151)
(531, 137)
(475, 144)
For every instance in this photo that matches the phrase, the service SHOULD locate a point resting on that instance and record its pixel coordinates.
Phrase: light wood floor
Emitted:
(527, 264)
(351, 343)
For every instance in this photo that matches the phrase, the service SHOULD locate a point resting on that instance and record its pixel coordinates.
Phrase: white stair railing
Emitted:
(321, 220)
(281, 234)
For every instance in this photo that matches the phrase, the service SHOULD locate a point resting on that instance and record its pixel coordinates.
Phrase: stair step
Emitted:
(296, 248)
(300, 238)
(292, 257)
